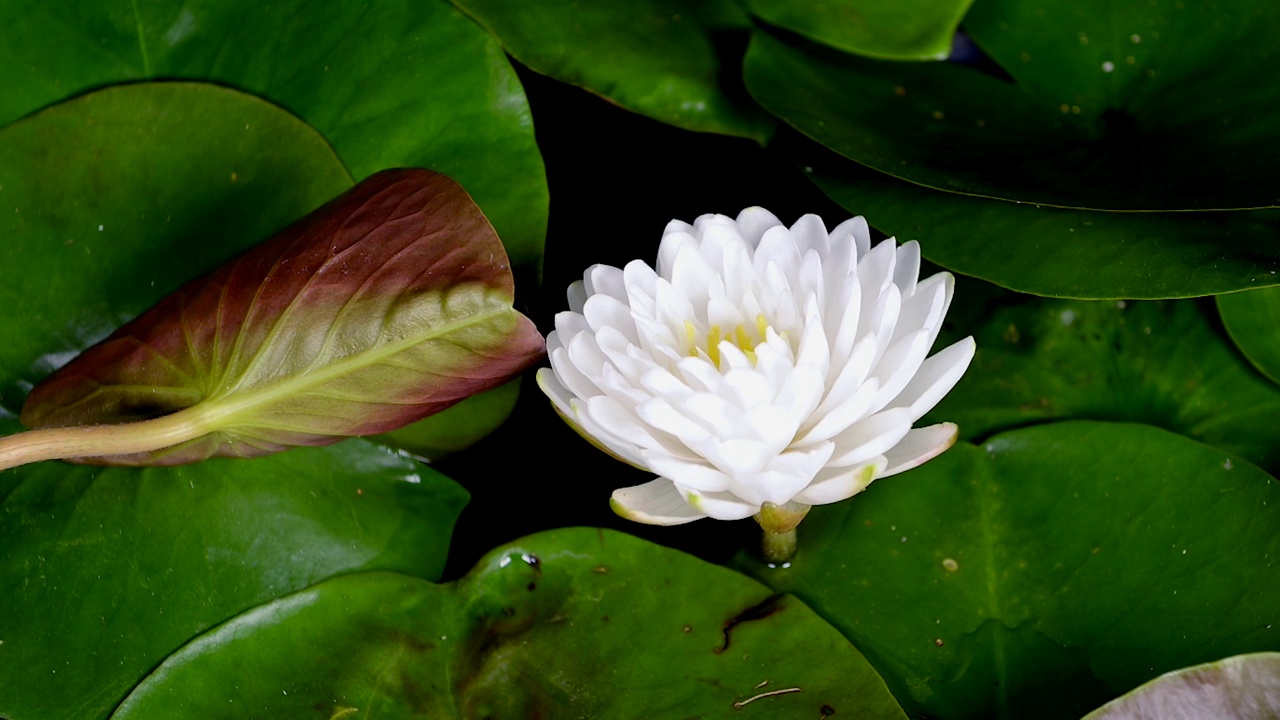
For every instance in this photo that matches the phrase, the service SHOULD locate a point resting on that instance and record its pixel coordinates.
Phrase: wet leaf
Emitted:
(1085, 104)
(568, 623)
(393, 84)
(1047, 571)
(1253, 320)
(116, 198)
(889, 29)
(1061, 252)
(1244, 687)
(106, 571)
(389, 303)
(677, 61)
(1158, 363)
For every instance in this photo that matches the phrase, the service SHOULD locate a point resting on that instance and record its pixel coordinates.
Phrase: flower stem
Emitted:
(97, 440)
(777, 548)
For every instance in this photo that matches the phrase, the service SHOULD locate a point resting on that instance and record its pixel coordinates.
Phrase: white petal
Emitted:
(656, 502)
(834, 418)
(692, 473)
(810, 233)
(907, 268)
(673, 240)
(841, 483)
(926, 308)
(663, 415)
(606, 311)
(790, 473)
(554, 390)
(919, 446)
(604, 280)
(870, 437)
(577, 296)
(935, 378)
(753, 222)
(721, 506)
(899, 366)
(853, 230)
(875, 270)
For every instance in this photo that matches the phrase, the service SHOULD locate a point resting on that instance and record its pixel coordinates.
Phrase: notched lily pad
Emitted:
(568, 623)
(391, 302)
(1047, 571)
(106, 571)
(1159, 363)
(1245, 687)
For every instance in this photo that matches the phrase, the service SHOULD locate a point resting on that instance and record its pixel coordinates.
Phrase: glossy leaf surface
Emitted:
(1158, 363)
(889, 29)
(677, 61)
(1244, 687)
(1131, 107)
(569, 623)
(1060, 252)
(106, 571)
(394, 84)
(116, 198)
(389, 303)
(1253, 320)
(1048, 570)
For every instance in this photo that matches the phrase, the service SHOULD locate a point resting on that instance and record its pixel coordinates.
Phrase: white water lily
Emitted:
(759, 370)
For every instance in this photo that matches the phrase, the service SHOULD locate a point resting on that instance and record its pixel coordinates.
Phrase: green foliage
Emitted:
(569, 623)
(673, 60)
(1108, 526)
(107, 571)
(888, 29)
(388, 303)
(1048, 570)
(1158, 363)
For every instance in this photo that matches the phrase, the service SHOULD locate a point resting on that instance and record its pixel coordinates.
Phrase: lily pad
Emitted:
(677, 61)
(1116, 107)
(1158, 363)
(1244, 687)
(1061, 252)
(569, 623)
(114, 199)
(1047, 571)
(393, 84)
(106, 571)
(887, 29)
(1253, 321)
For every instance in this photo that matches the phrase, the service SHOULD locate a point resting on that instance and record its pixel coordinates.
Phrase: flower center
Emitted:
(744, 337)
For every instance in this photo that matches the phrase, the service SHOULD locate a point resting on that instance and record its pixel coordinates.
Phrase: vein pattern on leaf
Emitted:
(388, 304)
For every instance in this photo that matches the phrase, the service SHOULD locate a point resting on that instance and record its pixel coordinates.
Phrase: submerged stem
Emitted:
(777, 548)
(79, 441)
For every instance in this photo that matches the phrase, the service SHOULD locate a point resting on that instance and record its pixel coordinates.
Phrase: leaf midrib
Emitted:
(215, 413)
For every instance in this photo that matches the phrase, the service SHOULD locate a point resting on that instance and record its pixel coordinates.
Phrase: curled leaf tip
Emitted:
(389, 303)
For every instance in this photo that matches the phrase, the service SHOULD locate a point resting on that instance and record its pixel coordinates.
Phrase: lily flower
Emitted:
(757, 370)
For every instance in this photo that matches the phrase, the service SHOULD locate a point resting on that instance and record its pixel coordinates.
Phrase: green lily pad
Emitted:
(1061, 252)
(393, 84)
(672, 60)
(116, 198)
(1253, 321)
(1047, 571)
(1116, 107)
(1158, 363)
(888, 29)
(106, 571)
(569, 623)
(1244, 687)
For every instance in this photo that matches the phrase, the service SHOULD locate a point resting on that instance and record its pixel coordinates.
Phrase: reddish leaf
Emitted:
(390, 303)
